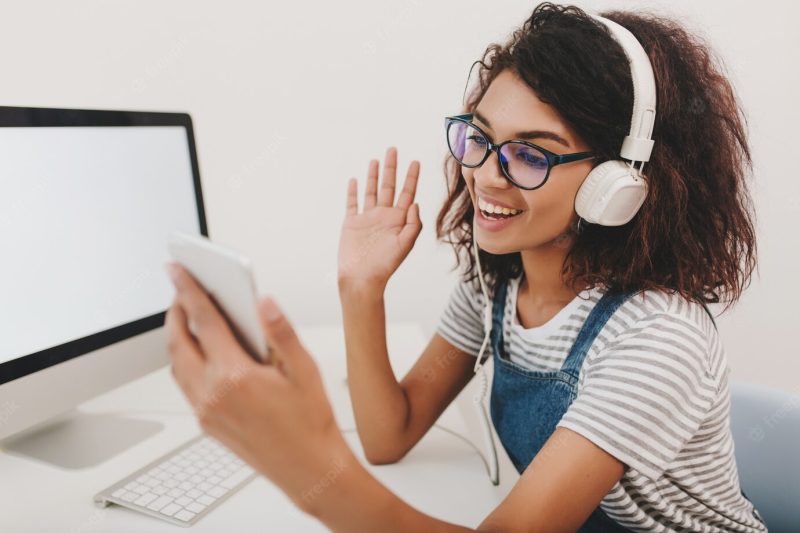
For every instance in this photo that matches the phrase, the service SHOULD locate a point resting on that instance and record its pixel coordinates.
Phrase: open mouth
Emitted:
(495, 212)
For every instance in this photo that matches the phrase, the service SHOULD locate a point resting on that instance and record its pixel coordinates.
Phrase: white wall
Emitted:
(260, 79)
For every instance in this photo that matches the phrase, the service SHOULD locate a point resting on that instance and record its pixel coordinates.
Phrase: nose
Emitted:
(489, 175)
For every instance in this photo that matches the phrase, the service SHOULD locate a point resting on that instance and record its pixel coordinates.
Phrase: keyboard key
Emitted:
(145, 499)
(184, 515)
(205, 499)
(236, 478)
(183, 501)
(160, 490)
(217, 491)
(194, 493)
(204, 486)
(175, 493)
(170, 509)
(159, 503)
(130, 497)
(195, 507)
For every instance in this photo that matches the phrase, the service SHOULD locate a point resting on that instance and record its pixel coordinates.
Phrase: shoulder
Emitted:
(658, 305)
(461, 321)
(664, 329)
(467, 296)
(650, 382)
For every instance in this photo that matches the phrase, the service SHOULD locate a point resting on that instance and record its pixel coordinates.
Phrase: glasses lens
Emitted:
(467, 144)
(526, 165)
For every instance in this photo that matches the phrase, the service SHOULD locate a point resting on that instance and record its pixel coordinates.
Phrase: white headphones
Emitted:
(614, 191)
(610, 195)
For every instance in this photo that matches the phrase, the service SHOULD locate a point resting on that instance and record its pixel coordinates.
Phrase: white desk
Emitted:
(443, 475)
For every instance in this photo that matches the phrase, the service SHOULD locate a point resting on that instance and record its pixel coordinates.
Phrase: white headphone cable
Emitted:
(478, 399)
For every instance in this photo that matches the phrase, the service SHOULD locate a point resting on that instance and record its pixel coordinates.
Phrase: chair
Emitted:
(766, 432)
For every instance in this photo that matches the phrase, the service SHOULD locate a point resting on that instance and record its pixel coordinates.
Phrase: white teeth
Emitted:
(491, 208)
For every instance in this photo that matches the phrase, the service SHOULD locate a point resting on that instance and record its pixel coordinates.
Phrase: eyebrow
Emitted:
(532, 134)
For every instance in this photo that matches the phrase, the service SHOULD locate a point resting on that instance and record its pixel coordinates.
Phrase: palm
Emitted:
(375, 241)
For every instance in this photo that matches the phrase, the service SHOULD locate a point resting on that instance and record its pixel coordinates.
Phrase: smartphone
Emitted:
(227, 276)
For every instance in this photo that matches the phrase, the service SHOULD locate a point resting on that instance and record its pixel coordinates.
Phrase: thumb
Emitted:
(286, 350)
(413, 225)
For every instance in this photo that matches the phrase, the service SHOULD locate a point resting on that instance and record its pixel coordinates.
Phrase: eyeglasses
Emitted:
(524, 164)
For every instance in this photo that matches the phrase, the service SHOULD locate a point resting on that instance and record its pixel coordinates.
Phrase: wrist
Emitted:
(372, 289)
(356, 501)
(337, 479)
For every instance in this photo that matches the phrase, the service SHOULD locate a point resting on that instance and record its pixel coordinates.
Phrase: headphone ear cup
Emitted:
(611, 194)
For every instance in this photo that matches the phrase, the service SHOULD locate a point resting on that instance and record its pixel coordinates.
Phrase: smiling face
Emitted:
(509, 107)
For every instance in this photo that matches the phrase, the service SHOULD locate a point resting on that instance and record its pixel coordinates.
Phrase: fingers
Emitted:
(371, 191)
(413, 225)
(406, 197)
(285, 346)
(216, 339)
(187, 359)
(386, 193)
(352, 197)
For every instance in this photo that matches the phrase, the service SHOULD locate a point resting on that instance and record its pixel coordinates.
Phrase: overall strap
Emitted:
(498, 310)
(597, 318)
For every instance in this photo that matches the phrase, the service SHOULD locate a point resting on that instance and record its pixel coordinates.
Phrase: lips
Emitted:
(494, 222)
(492, 210)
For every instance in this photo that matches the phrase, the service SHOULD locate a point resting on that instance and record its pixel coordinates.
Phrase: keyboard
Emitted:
(182, 486)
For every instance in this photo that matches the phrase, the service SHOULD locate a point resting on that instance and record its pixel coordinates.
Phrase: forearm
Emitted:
(379, 403)
(356, 501)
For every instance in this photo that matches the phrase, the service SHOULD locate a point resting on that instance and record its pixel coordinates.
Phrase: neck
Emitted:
(542, 284)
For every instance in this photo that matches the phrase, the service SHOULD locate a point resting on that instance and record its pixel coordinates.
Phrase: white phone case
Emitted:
(227, 277)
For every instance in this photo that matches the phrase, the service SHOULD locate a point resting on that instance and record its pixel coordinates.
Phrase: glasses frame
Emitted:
(553, 159)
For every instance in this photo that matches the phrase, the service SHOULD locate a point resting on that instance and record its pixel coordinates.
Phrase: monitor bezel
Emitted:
(11, 117)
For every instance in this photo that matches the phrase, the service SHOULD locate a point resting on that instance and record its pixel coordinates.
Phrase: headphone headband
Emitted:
(637, 145)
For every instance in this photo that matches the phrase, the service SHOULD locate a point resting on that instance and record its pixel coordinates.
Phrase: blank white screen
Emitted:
(84, 217)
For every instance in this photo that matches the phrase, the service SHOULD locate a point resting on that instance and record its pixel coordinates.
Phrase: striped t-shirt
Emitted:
(652, 392)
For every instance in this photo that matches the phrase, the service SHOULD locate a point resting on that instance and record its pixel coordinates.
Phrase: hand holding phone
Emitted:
(227, 277)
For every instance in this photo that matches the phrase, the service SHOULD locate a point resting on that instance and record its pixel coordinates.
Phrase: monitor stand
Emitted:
(77, 439)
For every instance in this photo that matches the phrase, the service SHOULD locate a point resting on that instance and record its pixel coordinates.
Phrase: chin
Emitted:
(496, 245)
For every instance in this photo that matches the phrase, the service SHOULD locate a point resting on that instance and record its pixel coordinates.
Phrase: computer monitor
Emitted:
(87, 201)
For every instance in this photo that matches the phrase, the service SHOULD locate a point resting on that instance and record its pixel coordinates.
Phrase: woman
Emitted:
(610, 390)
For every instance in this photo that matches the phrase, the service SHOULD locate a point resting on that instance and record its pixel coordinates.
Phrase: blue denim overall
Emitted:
(526, 404)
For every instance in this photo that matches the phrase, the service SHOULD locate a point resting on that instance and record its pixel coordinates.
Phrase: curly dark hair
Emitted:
(695, 232)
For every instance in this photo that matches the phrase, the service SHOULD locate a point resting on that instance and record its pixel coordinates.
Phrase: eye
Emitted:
(532, 158)
(476, 139)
